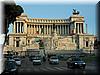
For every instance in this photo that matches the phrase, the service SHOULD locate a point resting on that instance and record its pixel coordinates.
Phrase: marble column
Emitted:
(47, 29)
(17, 27)
(60, 29)
(74, 28)
(14, 29)
(50, 29)
(35, 29)
(27, 29)
(65, 29)
(42, 30)
(78, 28)
(39, 29)
(82, 28)
(31, 30)
(21, 27)
(68, 29)
(57, 30)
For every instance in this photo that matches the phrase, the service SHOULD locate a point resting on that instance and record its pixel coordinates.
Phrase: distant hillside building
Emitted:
(57, 35)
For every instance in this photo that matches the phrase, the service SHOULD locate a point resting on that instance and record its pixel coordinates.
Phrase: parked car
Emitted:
(75, 62)
(10, 67)
(53, 60)
(37, 60)
(31, 58)
(18, 61)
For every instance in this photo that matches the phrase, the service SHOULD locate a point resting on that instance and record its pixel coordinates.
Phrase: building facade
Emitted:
(56, 34)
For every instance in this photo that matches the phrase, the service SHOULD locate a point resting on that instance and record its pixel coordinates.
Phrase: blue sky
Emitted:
(62, 11)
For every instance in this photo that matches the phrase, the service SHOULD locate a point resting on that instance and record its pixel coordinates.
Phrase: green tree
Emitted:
(11, 11)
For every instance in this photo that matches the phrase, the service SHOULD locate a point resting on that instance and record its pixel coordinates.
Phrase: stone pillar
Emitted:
(33, 29)
(69, 29)
(78, 28)
(27, 29)
(47, 29)
(20, 27)
(17, 27)
(36, 28)
(82, 28)
(30, 29)
(43, 30)
(24, 27)
(14, 29)
(60, 29)
(39, 29)
(74, 28)
(50, 29)
(57, 29)
(65, 29)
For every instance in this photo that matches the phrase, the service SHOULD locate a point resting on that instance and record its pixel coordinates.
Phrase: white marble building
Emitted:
(57, 34)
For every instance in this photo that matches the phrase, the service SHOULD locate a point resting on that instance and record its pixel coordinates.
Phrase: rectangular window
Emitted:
(17, 43)
(86, 43)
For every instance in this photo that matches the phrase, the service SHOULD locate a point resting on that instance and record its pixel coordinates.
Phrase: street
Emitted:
(28, 67)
